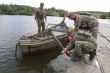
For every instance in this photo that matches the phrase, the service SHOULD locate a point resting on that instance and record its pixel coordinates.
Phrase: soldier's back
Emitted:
(90, 20)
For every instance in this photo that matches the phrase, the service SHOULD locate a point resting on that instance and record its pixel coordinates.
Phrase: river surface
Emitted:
(14, 26)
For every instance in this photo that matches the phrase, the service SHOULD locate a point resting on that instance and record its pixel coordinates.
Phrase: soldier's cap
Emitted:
(41, 3)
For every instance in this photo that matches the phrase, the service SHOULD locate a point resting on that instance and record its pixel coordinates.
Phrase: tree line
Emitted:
(28, 10)
(105, 16)
(98, 14)
(16, 9)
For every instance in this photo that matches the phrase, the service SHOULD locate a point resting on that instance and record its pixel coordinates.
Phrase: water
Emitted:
(14, 26)
(11, 28)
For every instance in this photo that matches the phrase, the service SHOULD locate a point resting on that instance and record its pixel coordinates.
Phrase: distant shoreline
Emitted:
(28, 10)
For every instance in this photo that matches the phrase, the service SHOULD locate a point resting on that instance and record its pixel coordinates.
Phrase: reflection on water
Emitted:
(39, 63)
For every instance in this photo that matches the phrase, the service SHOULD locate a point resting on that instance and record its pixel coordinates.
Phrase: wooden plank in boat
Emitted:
(40, 40)
(30, 42)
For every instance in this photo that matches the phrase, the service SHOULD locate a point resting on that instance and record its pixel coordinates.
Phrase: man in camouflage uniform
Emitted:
(40, 17)
(85, 35)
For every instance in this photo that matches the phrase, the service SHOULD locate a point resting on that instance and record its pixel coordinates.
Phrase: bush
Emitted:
(104, 16)
(108, 14)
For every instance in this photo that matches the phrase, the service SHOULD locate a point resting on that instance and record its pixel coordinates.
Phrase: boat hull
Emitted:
(39, 48)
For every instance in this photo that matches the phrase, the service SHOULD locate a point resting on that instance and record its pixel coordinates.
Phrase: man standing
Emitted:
(40, 17)
(84, 36)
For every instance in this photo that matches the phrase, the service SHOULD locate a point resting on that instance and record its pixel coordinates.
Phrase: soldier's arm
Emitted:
(77, 25)
(45, 16)
(71, 45)
(36, 14)
(94, 30)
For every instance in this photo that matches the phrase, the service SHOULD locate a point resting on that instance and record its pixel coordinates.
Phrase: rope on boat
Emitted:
(51, 28)
(30, 33)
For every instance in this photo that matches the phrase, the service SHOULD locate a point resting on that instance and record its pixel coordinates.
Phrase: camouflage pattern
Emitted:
(84, 44)
(85, 41)
(39, 16)
(92, 22)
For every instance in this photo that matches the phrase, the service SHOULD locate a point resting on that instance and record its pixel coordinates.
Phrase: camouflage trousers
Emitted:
(85, 44)
(41, 25)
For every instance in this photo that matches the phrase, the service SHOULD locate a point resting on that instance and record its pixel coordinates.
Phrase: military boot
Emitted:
(75, 57)
(92, 55)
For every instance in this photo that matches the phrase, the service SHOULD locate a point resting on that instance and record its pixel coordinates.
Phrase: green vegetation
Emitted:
(27, 10)
(55, 12)
(104, 16)
(109, 15)
(97, 14)
(16, 9)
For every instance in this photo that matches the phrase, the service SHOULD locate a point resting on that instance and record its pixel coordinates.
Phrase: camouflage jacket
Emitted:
(40, 14)
(88, 23)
